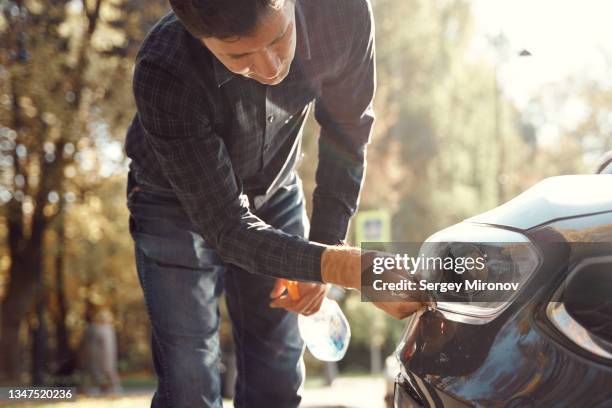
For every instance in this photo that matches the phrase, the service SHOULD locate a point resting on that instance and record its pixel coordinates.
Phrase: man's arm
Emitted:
(344, 111)
(197, 165)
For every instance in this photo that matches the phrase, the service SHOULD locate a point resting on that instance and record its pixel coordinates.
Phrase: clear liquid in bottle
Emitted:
(326, 333)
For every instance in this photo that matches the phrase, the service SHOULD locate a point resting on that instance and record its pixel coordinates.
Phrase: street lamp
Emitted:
(501, 45)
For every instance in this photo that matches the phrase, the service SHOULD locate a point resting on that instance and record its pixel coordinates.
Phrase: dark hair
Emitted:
(222, 18)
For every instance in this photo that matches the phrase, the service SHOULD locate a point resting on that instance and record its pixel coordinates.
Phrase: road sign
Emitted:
(373, 226)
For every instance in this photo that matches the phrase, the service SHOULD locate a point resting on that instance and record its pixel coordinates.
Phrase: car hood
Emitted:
(552, 199)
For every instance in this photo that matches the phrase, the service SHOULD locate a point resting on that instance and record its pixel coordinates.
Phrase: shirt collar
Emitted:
(222, 74)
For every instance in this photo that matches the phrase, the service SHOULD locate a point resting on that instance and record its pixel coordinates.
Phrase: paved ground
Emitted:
(351, 392)
(347, 392)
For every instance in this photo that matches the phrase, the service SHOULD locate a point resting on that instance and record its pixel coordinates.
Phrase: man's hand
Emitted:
(309, 302)
(342, 266)
(404, 302)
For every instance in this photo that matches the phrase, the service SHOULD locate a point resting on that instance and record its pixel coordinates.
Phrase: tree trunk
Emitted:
(15, 307)
(21, 285)
(25, 273)
(39, 340)
(63, 347)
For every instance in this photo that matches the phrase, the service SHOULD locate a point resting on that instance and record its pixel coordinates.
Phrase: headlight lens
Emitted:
(510, 260)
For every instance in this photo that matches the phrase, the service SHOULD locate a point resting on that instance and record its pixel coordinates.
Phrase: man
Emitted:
(222, 89)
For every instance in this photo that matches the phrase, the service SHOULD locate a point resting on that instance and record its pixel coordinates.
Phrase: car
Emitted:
(549, 344)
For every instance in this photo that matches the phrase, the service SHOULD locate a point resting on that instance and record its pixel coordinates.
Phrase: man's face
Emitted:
(266, 54)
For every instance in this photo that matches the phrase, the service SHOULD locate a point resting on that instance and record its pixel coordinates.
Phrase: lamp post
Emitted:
(501, 45)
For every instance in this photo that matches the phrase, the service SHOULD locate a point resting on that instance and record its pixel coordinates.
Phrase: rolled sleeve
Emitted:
(197, 165)
(344, 110)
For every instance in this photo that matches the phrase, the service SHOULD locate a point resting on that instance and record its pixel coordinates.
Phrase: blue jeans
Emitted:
(182, 278)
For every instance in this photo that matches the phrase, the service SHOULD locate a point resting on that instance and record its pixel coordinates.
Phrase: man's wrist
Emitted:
(341, 265)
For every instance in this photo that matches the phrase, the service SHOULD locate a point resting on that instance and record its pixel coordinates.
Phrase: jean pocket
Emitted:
(182, 250)
(168, 238)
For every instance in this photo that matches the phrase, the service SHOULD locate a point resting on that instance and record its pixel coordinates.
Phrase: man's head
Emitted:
(253, 38)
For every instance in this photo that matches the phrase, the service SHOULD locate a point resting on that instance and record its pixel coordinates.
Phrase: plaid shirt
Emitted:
(224, 143)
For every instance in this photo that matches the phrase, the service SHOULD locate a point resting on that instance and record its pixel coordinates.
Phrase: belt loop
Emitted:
(132, 186)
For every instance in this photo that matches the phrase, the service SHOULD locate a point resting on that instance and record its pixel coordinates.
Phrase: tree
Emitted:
(66, 68)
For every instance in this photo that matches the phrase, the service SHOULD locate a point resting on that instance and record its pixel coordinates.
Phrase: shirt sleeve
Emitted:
(198, 167)
(344, 110)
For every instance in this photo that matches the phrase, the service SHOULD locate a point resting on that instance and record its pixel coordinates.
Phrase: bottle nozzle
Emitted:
(292, 288)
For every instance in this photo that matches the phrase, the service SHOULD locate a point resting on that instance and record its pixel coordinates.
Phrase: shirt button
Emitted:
(270, 118)
(266, 147)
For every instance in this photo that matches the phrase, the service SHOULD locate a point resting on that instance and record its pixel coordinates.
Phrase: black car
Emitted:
(548, 346)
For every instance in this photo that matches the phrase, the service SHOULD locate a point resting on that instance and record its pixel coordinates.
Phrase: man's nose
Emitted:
(269, 65)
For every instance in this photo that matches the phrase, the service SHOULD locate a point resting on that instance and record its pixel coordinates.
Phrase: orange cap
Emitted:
(292, 288)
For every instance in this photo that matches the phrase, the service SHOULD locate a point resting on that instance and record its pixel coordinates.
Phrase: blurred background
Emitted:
(477, 101)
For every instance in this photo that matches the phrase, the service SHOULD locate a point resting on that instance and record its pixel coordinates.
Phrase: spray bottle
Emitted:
(326, 333)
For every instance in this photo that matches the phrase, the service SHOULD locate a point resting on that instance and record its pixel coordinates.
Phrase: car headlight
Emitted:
(581, 308)
(510, 259)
